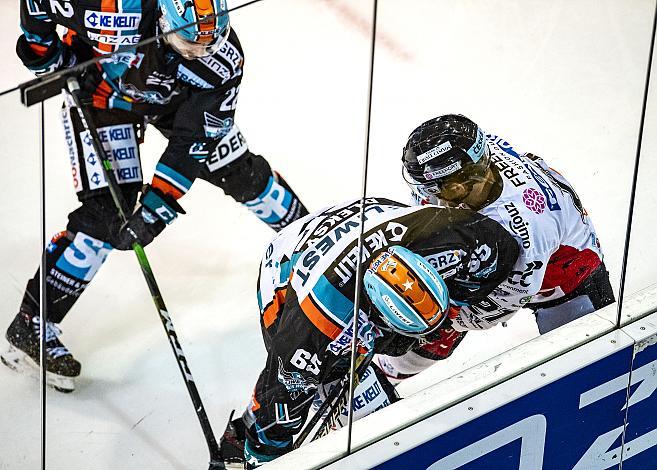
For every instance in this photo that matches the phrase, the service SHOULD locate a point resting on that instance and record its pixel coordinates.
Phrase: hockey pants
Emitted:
(75, 255)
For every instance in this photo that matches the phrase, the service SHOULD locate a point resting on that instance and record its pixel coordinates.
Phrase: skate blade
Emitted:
(20, 362)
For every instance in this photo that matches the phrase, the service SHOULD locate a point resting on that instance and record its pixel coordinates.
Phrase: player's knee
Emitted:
(250, 181)
(81, 257)
(245, 178)
(98, 216)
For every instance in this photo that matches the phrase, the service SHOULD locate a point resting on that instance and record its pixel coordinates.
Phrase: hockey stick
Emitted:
(216, 461)
(336, 400)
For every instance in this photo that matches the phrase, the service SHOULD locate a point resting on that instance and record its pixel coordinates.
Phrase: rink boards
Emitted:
(581, 397)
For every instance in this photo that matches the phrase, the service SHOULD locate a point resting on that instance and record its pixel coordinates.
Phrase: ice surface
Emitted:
(561, 79)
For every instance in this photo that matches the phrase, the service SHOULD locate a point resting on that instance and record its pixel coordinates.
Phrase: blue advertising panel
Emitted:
(640, 449)
(565, 424)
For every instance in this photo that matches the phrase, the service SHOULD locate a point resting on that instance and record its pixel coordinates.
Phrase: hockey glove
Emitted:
(231, 444)
(157, 210)
(45, 58)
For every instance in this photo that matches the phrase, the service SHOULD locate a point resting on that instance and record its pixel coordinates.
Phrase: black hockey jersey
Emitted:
(306, 295)
(192, 101)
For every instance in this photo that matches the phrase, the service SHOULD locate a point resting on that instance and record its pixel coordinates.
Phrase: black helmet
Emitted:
(446, 148)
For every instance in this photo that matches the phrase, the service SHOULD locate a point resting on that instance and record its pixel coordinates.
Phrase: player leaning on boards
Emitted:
(186, 86)
(559, 274)
(306, 291)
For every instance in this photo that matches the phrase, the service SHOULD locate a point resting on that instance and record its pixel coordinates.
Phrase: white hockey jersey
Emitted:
(558, 245)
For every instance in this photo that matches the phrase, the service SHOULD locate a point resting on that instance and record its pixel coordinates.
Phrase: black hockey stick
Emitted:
(216, 461)
(334, 403)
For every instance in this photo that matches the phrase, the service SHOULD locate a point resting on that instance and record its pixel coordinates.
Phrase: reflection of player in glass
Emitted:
(306, 293)
(559, 273)
(186, 86)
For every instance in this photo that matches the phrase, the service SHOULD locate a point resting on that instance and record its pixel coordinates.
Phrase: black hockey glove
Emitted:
(231, 444)
(55, 56)
(157, 210)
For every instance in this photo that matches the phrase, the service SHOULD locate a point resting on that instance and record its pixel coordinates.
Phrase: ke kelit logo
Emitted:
(111, 21)
(534, 200)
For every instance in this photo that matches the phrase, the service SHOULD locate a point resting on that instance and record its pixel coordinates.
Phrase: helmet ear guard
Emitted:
(408, 293)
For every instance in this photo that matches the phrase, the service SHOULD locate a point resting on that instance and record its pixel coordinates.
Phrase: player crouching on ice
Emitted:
(306, 293)
(559, 273)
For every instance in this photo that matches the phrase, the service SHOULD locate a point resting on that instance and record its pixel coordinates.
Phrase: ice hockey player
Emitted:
(559, 274)
(186, 85)
(306, 292)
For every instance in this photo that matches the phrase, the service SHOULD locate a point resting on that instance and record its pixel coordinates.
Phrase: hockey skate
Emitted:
(23, 353)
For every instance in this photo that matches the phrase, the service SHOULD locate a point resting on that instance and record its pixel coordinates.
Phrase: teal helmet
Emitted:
(208, 25)
(407, 292)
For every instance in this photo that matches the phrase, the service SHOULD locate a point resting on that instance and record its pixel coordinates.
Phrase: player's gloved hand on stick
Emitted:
(157, 210)
(231, 443)
(43, 58)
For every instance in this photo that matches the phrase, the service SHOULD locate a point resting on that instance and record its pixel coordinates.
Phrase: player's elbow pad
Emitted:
(41, 59)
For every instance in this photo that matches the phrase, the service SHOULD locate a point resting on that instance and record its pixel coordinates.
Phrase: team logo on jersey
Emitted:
(216, 128)
(534, 200)
(520, 277)
(111, 21)
(294, 382)
(550, 196)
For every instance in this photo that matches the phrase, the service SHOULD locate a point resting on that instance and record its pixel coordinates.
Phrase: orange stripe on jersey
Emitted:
(317, 317)
(166, 187)
(107, 6)
(255, 405)
(100, 102)
(38, 49)
(271, 312)
(102, 94)
(68, 37)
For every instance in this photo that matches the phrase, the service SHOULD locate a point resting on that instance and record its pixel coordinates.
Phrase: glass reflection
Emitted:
(19, 254)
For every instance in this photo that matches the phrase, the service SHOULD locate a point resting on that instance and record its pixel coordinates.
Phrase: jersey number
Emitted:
(303, 360)
(230, 103)
(62, 7)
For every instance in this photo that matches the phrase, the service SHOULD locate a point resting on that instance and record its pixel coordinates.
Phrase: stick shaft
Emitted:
(117, 197)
